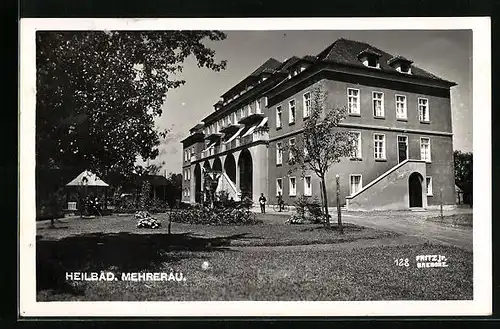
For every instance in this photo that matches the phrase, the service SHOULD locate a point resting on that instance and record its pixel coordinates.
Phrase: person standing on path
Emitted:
(262, 201)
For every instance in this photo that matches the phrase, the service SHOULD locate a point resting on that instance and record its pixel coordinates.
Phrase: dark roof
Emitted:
(198, 126)
(288, 62)
(369, 51)
(344, 51)
(269, 66)
(400, 59)
(309, 58)
(155, 180)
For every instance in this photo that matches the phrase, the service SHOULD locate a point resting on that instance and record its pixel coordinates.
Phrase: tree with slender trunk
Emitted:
(98, 94)
(323, 142)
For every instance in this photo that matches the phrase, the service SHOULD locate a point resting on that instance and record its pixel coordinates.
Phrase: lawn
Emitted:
(281, 274)
(245, 235)
(256, 262)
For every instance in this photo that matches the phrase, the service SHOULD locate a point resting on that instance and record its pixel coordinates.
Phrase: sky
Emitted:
(447, 54)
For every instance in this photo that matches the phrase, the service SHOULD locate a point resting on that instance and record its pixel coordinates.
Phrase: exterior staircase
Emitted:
(226, 184)
(389, 191)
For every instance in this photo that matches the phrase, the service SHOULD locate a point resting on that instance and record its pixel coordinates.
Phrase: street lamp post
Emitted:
(339, 215)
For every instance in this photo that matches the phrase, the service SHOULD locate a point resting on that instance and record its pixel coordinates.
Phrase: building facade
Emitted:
(400, 113)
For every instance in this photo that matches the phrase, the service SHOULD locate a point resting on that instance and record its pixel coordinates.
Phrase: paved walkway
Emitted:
(408, 223)
(414, 224)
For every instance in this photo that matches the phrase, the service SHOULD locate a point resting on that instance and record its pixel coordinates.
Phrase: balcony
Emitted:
(252, 118)
(213, 136)
(256, 136)
(230, 128)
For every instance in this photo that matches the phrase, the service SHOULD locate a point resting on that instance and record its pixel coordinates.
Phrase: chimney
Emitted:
(218, 105)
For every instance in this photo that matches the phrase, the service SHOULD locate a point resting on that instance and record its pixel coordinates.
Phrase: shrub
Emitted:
(145, 220)
(145, 200)
(246, 202)
(52, 205)
(199, 214)
(314, 210)
(300, 205)
(307, 209)
(157, 205)
(223, 201)
(295, 219)
(125, 205)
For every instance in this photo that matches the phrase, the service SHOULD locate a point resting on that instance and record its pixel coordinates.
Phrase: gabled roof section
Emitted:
(399, 58)
(369, 51)
(344, 51)
(269, 67)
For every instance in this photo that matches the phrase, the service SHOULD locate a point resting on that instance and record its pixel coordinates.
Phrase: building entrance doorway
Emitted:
(415, 190)
(246, 174)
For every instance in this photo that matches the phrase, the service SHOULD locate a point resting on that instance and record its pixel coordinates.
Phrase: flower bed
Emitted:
(214, 216)
(145, 220)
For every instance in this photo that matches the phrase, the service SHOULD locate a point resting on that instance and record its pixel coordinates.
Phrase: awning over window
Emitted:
(209, 146)
(250, 130)
(235, 135)
(263, 122)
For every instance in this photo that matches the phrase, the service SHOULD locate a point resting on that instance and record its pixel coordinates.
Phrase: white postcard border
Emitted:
(482, 244)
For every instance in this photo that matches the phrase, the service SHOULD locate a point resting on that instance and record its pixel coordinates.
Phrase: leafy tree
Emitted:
(463, 173)
(98, 93)
(174, 189)
(323, 143)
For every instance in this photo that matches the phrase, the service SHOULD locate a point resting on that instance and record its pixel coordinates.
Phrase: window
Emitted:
(293, 186)
(235, 118)
(189, 174)
(291, 111)
(428, 181)
(355, 184)
(306, 154)
(278, 116)
(357, 145)
(425, 149)
(404, 68)
(265, 101)
(240, 113)
(372, 61)
(249, 109)
(279, 154)
(307, 104)
(378, 104)
(400, 107)
(353, 106)
(290, 151)
(423, 109)
(379, 146)
(279, 186)
(307, 186)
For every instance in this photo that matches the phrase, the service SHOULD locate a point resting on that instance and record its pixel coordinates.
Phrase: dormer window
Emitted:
(370, 58)
(373, 61)
(401, 64)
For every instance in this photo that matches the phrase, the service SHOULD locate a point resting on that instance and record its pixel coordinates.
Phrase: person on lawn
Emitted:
(262, 201)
